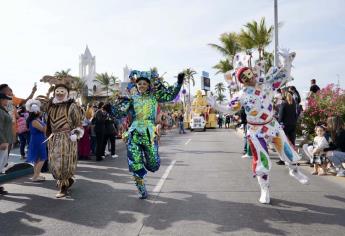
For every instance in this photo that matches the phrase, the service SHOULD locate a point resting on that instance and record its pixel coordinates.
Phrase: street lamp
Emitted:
(276, 59)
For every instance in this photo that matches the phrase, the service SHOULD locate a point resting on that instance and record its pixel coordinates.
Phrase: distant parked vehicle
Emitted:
(198, 123)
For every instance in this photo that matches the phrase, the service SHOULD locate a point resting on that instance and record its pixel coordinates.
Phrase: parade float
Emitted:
(200, 115)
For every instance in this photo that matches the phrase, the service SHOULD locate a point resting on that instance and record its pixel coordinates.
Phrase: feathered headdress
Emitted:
(144, 75)
(68, 81)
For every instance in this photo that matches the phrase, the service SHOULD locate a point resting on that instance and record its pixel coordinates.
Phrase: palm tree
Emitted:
(189, 77)
(223, 66)
(256, 35)
(63, 73)
(79, 86)
(220, 88)
(220, 98)
(107, 82)
(229, 45)
(268, 57)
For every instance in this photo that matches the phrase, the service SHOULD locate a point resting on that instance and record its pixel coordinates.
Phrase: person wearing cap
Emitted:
(256, 98)
(6, 134)
(142, 145)
(37, 147)
(64, 129)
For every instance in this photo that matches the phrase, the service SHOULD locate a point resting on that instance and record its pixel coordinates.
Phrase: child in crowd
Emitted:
(315, 152)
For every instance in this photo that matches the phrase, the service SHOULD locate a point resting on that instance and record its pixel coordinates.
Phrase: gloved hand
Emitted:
(180, 78)
(125, 137)
(73, 137)
(157, 84)
(79, 132)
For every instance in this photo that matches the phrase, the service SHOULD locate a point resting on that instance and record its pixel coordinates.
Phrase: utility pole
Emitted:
(276, 57)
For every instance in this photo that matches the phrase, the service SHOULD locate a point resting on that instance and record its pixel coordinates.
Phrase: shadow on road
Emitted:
(16, 225)
(96, 205)
(235, 216)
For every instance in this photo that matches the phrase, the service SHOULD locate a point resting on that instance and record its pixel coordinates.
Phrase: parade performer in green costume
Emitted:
(142, 145)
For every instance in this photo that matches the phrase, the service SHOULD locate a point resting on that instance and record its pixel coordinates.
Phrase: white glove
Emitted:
(73, 137)
(79, 132)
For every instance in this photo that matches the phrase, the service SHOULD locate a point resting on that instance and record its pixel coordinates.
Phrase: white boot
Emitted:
(294, 172)
(265, 192)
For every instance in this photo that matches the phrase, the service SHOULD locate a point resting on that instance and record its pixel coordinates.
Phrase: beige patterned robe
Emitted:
(62, 152)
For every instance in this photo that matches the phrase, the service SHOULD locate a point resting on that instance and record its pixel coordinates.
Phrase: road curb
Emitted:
(16, 174)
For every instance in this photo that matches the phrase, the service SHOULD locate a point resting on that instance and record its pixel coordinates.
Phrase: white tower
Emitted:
(87, 70)
(126, 72)
(125, 81)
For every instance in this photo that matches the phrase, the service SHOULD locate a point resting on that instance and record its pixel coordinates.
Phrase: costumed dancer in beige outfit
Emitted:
(64, 129)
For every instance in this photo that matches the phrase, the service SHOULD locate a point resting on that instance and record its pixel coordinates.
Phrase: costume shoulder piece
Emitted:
(75, 115)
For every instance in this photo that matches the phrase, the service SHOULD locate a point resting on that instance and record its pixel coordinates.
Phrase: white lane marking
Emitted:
(188, 141)
(159, 186)
(15, 155)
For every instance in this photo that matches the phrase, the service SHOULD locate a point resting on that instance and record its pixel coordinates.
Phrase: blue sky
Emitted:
(43, 36)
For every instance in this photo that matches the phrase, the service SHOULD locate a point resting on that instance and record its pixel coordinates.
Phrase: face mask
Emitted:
(61, 93)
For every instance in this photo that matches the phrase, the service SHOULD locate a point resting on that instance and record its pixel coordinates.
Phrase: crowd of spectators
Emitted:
(325, 153)
(101, 129)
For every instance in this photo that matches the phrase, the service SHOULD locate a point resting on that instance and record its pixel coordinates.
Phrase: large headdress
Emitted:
(143, 75)
(65, 81)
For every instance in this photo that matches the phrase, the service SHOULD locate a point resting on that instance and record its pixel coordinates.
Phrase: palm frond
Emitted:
(223, 66)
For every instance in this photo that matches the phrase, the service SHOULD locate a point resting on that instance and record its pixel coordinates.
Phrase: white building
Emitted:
(87, 72)
(125, 81)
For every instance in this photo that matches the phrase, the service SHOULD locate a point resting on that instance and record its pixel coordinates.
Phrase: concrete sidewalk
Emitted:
(15, 158)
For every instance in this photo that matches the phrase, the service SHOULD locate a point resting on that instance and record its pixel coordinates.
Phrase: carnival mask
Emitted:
(247, 76)
(61, 93)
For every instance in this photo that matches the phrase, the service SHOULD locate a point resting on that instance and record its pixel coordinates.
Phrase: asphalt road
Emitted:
(202, 188)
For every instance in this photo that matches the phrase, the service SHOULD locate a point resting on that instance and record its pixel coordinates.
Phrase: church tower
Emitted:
(87, 71)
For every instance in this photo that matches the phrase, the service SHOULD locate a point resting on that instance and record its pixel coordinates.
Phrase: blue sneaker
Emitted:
(139, 182)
